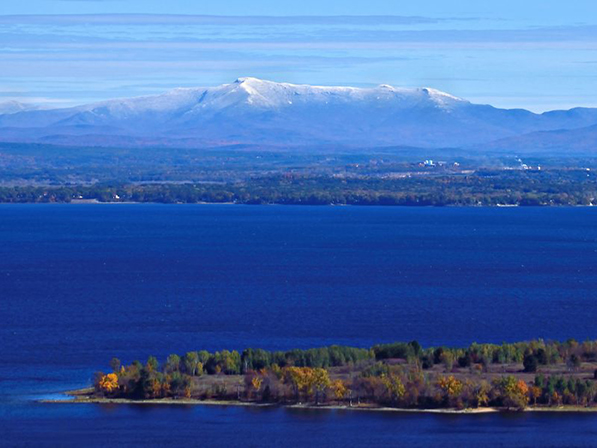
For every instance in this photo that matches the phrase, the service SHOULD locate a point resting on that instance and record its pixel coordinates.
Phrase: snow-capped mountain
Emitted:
(254, 111)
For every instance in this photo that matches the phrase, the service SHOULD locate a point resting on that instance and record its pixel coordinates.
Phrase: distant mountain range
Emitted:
(257, 112)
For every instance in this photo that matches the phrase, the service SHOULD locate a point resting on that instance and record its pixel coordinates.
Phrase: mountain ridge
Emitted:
(255, 111)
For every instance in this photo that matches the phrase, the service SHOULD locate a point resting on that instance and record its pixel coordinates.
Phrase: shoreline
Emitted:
(194, 402)
(97, 202)
(81, 397)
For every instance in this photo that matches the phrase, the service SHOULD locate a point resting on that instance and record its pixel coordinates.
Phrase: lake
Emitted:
(80, 284)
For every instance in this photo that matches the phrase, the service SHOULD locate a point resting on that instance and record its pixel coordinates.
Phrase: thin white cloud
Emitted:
(169, 19)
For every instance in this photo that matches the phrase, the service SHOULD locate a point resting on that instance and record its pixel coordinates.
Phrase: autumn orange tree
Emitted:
(109, 383)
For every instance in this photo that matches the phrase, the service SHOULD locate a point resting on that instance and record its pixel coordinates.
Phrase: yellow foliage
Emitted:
(340, 389)
(109, 382)
(321, 379)
(300, 377)
(482, 394)
(394, 385)
(450, 385)
(305, 379)
(256, 383)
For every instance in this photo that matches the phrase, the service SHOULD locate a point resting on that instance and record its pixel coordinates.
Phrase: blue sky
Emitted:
(538, 55)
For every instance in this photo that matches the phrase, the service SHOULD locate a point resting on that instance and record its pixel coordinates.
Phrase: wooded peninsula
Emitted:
(538, 375)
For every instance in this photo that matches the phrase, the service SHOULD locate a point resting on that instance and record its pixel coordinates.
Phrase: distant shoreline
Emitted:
(96, 202)
(481, 188)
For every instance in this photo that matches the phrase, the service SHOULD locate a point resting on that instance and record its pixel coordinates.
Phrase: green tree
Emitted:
(191, 362)
(152, 364)
(172, 363)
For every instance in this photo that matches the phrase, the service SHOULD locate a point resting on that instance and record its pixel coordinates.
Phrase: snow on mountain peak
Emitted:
(248, 80)
(261, 94)
(249, 93)
(443, 97)
(246, 99)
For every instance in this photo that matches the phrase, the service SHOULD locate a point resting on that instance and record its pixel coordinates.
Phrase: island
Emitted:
(535, 375)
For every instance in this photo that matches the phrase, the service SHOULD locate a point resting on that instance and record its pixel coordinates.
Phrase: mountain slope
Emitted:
(253, 111)
(583, 140)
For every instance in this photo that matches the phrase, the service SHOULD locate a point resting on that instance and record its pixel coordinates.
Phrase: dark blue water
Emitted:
(81, 284)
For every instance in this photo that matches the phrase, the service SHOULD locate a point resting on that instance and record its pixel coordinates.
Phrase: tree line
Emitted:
(564, 187)
(399, 375)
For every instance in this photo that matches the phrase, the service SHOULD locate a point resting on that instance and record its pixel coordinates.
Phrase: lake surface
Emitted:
(80, 284)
